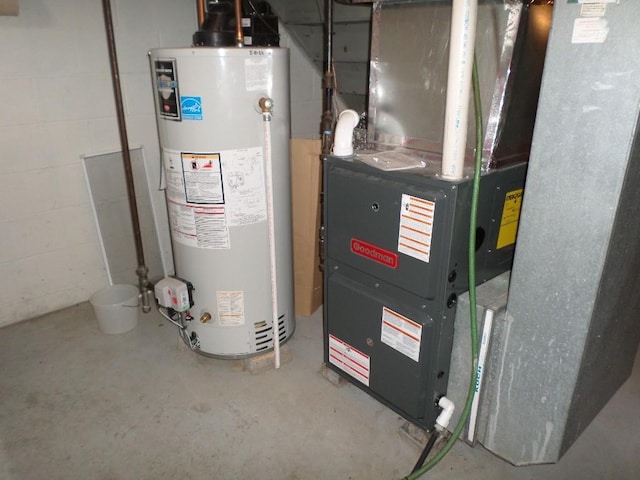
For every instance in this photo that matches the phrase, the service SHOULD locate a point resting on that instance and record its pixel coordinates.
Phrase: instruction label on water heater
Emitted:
(244, 186)
(202, 178)
(195, 199)
(349, 359)
(198, 226)
(401, 333)
(416, 227)
(209, 192)
(256, 70)
(230, 308)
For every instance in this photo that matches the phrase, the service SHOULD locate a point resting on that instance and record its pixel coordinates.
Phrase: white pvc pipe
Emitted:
(448, 407)
(461, 47)
(268, 166)
(343, 140)
(482, 359)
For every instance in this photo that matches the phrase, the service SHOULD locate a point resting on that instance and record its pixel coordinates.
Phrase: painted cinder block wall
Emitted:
(57, 105)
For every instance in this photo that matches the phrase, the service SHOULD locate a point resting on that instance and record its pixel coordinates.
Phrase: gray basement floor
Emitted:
(81, 404)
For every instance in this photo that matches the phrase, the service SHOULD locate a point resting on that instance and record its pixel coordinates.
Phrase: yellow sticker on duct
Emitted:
(510, 217)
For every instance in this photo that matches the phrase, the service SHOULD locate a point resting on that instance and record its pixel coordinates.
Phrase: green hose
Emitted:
(472, 286)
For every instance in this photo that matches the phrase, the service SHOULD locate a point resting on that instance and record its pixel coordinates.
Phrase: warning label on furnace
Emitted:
(416, 226)
(401, 334)
(230, 308)
(349, 359)
(510, 217)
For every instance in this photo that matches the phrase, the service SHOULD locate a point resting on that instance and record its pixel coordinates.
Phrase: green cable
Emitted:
(472, 286)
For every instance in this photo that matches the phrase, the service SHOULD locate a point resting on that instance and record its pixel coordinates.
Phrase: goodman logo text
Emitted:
(374, 253)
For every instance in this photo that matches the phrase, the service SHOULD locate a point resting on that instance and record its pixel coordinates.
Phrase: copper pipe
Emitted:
(142, 270)
(201, 13)
(239, 32)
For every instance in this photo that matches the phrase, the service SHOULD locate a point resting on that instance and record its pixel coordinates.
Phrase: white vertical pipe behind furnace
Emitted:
(461, 48)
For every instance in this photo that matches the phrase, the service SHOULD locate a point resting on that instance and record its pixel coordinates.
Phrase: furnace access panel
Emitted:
(396, 249)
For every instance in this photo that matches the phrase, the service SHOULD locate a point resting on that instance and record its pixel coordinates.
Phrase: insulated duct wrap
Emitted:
(408, 76)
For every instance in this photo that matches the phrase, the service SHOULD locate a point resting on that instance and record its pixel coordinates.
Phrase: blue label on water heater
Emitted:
(191, 108)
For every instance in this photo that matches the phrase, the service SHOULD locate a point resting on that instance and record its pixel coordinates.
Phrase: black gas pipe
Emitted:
(328, 82)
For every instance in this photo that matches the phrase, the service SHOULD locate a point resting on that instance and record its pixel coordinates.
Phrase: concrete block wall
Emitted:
(57, 99)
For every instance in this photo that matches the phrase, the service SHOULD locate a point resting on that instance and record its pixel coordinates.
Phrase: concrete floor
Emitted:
(80, 404)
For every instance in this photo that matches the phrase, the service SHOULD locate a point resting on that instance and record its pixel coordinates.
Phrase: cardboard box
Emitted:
(306, 178)
(9, 7)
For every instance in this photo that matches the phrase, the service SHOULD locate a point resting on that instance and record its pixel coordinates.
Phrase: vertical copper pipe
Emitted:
(239, 32)
(142, 270)
(201, 12)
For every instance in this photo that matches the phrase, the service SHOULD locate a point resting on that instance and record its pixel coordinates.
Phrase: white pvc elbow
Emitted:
(343, 140)
(442, 422)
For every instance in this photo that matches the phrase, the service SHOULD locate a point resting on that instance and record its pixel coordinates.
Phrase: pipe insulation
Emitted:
(461, 48)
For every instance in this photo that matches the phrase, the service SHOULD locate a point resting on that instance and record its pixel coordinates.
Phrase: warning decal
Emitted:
(230, 308)
(416, 226)
(202, 178)
(510, 217)
(401, 334)
(198, 226)
(349, 359)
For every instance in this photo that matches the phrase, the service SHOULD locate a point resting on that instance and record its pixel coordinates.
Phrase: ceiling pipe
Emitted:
(461, 51)
(328, 82)
(201, 12)
(142, 271)
(239, 32)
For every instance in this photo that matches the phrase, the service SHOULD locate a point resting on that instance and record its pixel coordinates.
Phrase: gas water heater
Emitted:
(215, 139)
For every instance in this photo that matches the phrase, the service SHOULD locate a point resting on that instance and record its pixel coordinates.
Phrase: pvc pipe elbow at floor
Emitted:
(343, 140)
(442, 422)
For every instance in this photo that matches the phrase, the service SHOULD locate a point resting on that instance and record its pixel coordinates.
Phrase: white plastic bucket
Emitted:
(116, 308)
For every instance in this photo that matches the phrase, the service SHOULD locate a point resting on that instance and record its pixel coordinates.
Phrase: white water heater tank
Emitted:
(212, 140)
